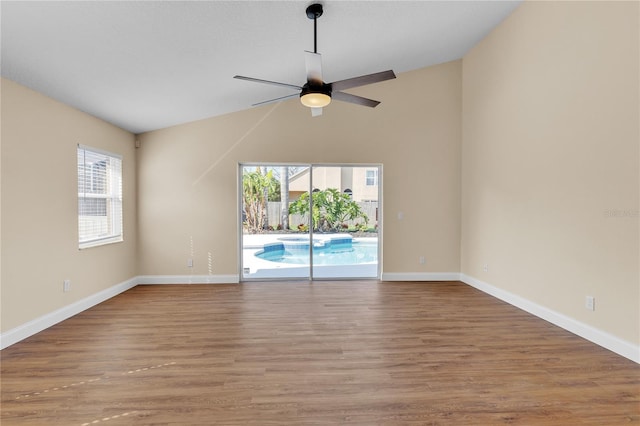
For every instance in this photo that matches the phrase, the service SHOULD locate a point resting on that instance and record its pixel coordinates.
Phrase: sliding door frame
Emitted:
(311, 166)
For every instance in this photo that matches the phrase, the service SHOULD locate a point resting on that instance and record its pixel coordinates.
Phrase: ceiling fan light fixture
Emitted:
(315, 99)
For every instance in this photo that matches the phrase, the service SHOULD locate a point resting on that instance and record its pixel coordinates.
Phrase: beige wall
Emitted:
(187, 174)
(550, 160)
(40, 207)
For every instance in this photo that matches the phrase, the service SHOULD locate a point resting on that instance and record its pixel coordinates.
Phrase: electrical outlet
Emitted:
(590, 303)
(422, 260)
(485, 267)
(66, 285)
(190, 263)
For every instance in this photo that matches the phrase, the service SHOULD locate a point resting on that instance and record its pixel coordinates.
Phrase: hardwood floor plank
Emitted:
(327, 353)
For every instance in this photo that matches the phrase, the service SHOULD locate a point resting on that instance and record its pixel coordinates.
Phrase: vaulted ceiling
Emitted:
(145, 65)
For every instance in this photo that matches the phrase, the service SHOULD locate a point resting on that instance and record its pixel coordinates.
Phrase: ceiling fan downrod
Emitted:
(314, 12)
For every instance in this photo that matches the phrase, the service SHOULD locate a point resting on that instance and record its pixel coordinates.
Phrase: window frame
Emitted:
(374, 178)
(110, 181)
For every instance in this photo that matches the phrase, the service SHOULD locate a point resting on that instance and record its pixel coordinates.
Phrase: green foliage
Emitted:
(331, 209)
(274, 194)
(256, 190)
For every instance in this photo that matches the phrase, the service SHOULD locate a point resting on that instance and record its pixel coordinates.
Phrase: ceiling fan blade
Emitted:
(358, 100)
(270, 101)
(273, 83)
(362, 80)
(316, 112)
(313, 63)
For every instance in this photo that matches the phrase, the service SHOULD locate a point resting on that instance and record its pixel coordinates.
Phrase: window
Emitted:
(371, 178)
(99, 197)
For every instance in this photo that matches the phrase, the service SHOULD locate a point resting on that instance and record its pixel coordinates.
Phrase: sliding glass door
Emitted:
(345, 222)
(273, 246)
(309, 221)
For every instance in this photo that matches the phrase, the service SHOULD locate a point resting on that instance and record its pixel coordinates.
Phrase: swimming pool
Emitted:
(334, 251)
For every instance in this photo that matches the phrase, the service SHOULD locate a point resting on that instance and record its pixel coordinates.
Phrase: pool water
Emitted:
(340, 254)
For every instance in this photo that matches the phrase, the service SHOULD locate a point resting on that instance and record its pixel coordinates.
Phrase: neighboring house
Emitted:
(359, 182)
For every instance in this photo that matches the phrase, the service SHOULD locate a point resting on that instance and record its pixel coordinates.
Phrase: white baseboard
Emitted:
(34, 326)
(188, 279)
(420, 276)
(599, 337)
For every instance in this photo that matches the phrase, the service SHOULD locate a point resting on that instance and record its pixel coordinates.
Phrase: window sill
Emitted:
(99, 243)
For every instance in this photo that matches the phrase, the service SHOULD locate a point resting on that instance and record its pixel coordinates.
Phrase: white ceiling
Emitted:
(146, 65)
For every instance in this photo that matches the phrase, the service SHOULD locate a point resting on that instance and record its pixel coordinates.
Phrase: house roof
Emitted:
(153, 64)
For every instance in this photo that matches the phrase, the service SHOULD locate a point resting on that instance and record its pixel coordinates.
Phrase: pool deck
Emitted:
(254, 267)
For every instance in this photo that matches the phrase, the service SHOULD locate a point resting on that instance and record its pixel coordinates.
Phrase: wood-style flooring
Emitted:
(327, 353)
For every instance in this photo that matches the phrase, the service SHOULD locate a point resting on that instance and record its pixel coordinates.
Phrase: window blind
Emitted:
(99, 197)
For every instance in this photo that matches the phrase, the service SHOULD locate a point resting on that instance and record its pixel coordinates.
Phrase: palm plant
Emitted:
(256, 188)
(331, 208)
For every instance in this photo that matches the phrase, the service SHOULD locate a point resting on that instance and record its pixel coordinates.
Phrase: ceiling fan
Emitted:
(315, 93)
